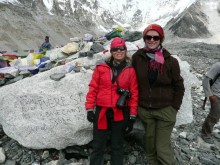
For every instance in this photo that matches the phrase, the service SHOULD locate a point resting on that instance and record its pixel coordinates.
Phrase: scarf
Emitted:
(156, 59)
(116, 67)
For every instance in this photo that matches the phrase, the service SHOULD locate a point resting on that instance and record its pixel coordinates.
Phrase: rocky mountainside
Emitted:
(199, 22)
(191, 23)
(24, 23)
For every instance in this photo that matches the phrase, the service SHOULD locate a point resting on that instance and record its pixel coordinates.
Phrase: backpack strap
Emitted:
(213, 81)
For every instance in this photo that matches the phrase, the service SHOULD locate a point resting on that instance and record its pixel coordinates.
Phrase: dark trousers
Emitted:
(158, 124)
(211, 119)
(115, 134)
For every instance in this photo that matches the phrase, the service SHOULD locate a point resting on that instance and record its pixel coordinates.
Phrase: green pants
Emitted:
(158, 124)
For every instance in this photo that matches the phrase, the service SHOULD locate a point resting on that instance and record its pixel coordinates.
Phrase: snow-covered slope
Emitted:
(137, 13)
(64, 19)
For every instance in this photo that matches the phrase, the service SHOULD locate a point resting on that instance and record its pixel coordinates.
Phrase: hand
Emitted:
(130, 124)
(213, 99)
(90, 116)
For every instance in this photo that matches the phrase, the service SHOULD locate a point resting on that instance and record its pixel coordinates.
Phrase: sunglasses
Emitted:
(155, 38)
(121, 48)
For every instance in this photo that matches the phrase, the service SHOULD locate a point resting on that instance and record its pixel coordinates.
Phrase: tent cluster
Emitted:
(16, 65)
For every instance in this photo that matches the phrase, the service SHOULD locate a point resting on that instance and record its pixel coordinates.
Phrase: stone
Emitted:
(97, 47)
(185, 115)
(82, 54)
(190, 136)
(90, 54)
(57, 76)
(46, 113)
(70, 48)
(217, 135)
(2, 155)
(12, 162)
(183, 134)
(132, 159)
(45, 154)
(206, 161)
(2, 81)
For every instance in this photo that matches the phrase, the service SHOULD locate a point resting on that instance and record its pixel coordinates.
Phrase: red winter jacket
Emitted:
(104, 94)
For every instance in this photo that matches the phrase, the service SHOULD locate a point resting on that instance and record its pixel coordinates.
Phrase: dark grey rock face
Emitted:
(190, 24)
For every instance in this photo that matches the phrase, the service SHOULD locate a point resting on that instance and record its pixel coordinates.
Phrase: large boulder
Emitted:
(185, 114)
(42, 113)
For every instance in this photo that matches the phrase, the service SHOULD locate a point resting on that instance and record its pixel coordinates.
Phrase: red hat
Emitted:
(156, 28)
(117, 42)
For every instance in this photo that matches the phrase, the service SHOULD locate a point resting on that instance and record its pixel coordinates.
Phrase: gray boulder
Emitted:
(39, 112)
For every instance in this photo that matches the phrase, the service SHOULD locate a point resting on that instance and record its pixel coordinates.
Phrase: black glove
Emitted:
(90, 116)
(129, 125)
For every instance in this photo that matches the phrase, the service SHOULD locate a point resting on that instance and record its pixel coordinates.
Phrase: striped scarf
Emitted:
(156, 59)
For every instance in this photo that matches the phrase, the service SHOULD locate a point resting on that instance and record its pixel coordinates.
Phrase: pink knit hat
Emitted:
(117, 42)
(156, 28)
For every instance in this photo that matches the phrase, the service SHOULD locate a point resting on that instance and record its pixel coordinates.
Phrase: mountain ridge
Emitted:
(25, 23)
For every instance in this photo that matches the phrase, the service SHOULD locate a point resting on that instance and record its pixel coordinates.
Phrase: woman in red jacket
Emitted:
(111, 103)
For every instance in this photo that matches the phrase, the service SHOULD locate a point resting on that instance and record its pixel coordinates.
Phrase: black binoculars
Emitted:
(121, 103)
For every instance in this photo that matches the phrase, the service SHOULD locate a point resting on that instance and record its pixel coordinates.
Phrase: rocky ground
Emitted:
(188, 146)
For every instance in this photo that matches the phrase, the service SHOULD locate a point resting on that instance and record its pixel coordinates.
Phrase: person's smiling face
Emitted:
(119, 53)
(152, 39)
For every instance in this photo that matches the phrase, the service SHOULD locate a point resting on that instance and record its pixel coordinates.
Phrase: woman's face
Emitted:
(152, 39)
(119, 53)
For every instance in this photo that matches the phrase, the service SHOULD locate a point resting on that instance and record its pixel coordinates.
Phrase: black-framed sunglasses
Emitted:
(155, 38)
(121, 48)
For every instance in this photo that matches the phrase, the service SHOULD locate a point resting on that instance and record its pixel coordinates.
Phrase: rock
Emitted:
(11, 162)
(183, 134)
(97, 47)
(207, 161)
(82, 54)
(55, 162)
(57, 76)
(70, 48)
(45, 155)
(2, 155)
(2, 81)
(217, 135)
(47, 114)
(90, 54)
(132, 159)
(185, 115)
(132, 36)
